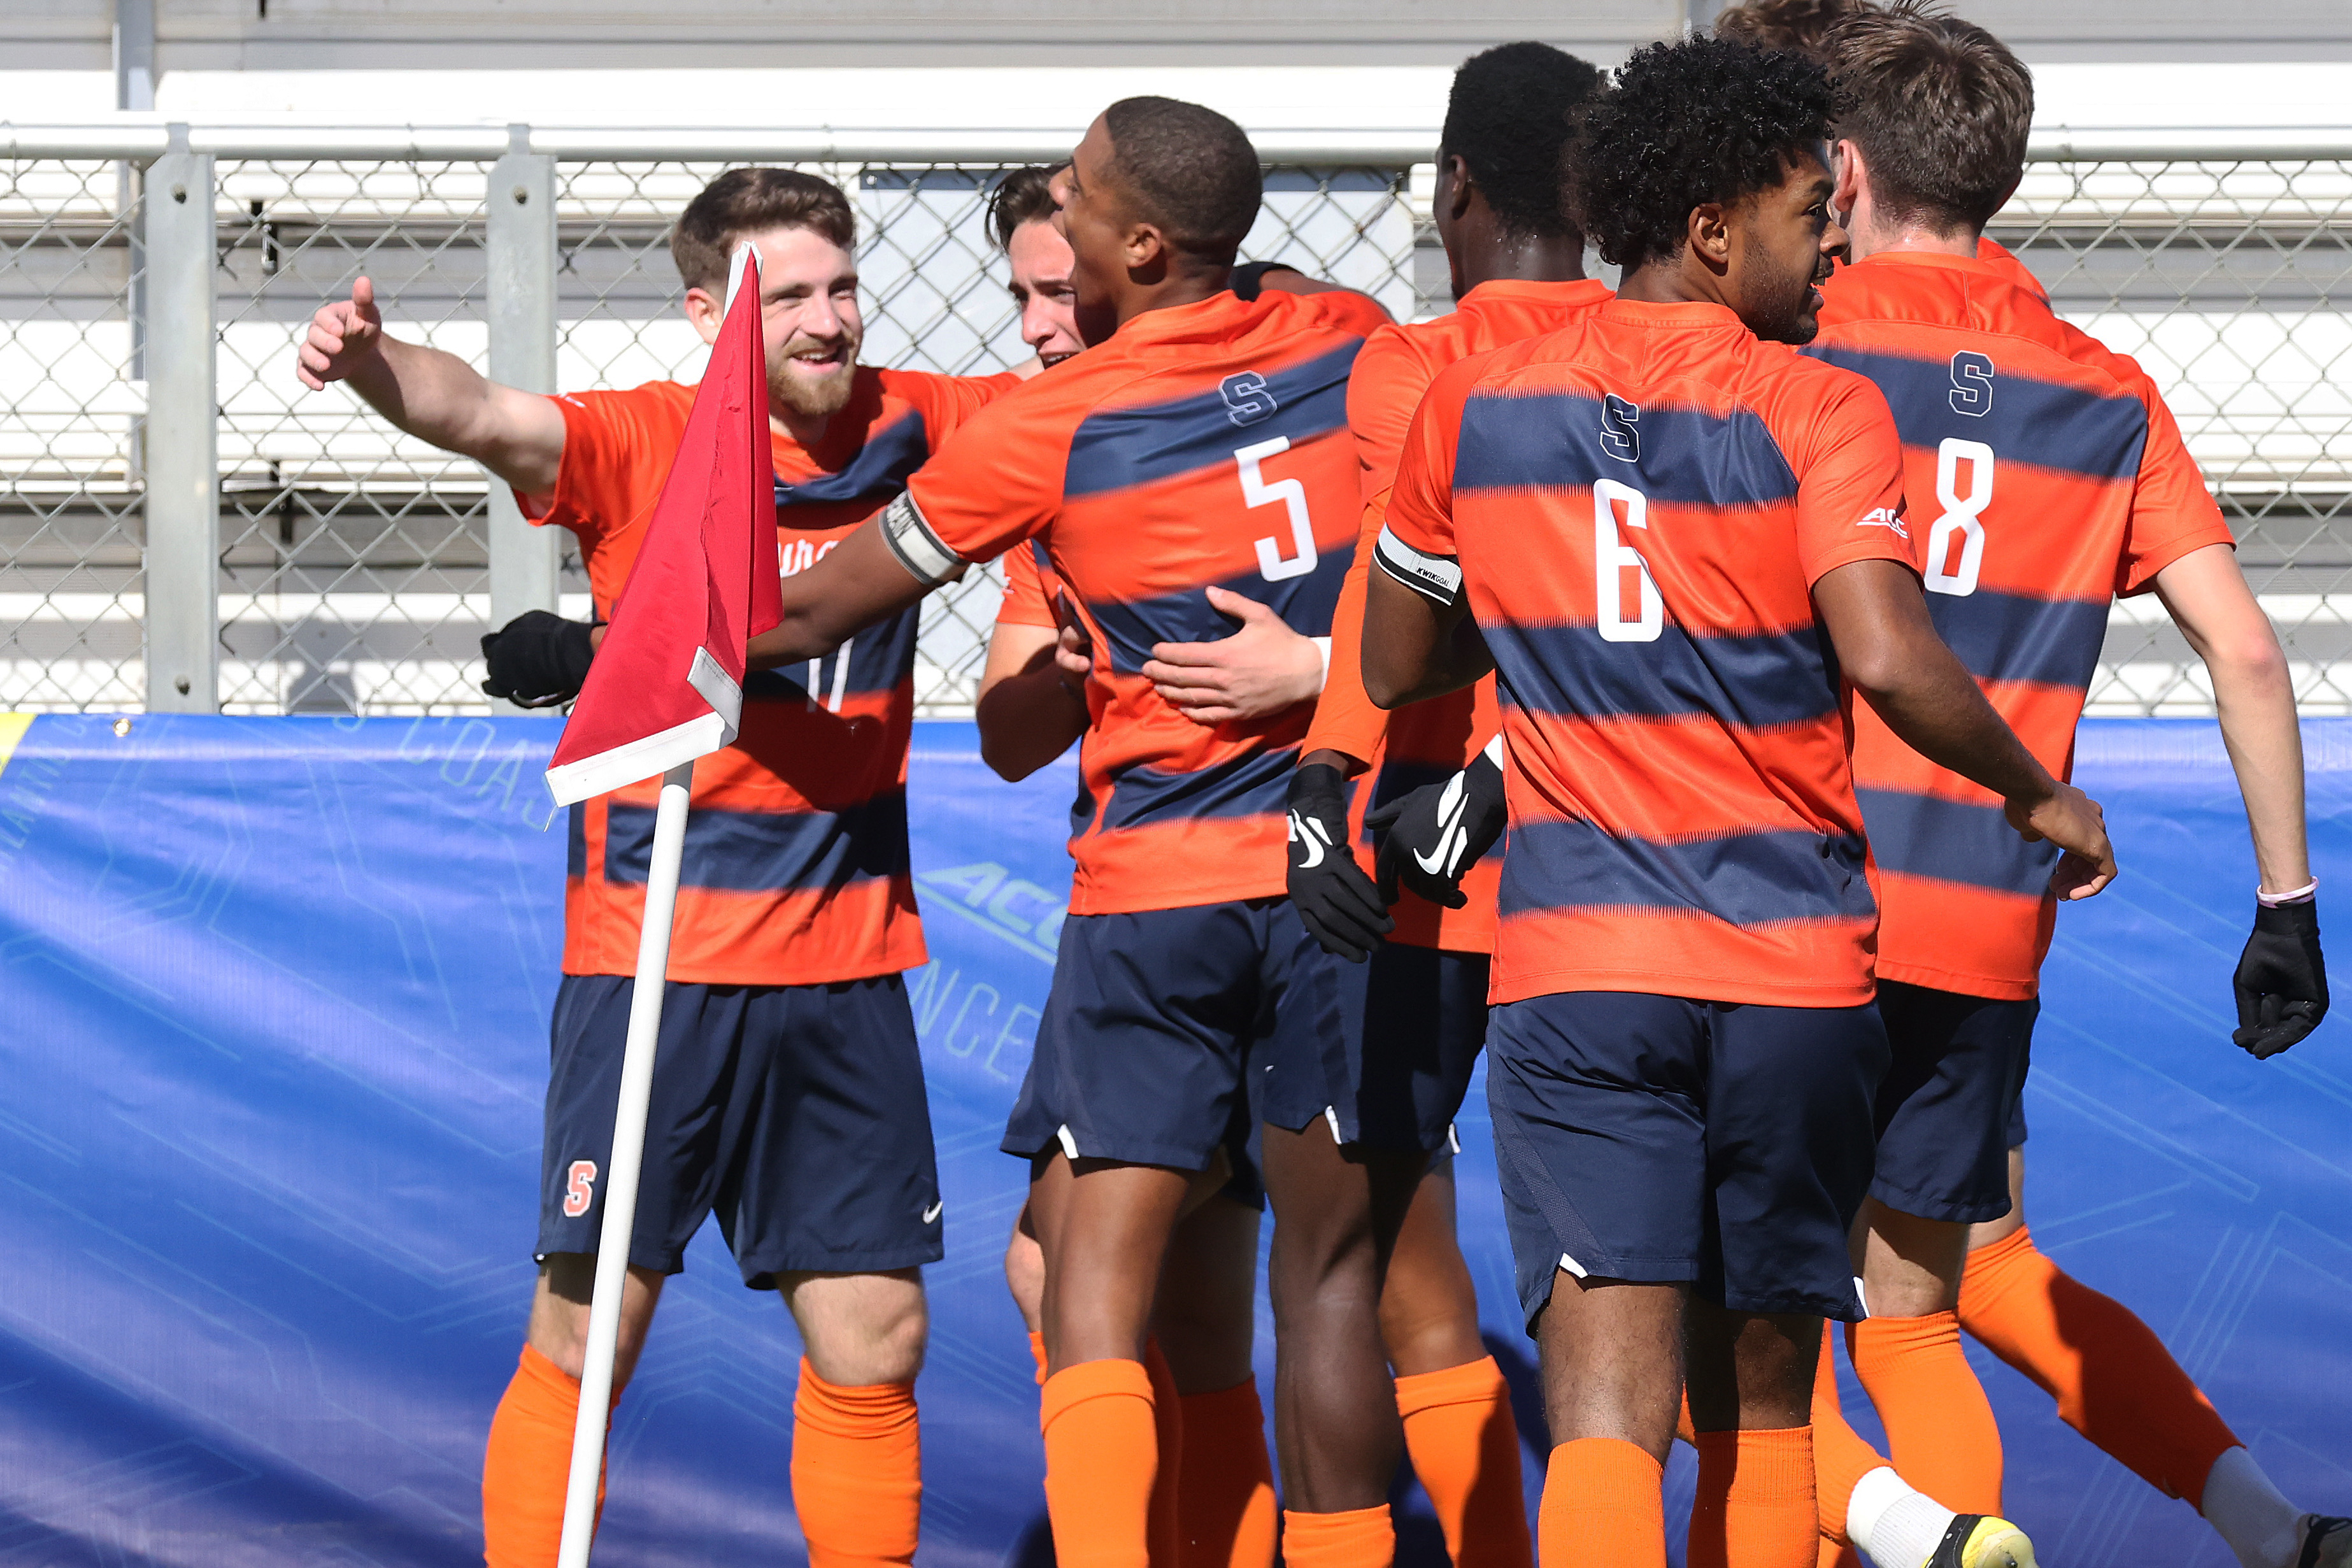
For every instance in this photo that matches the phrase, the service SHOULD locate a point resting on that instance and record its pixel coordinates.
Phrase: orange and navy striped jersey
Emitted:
(1636, 509)
(2004, 260)
(1425, 741)
(1202, 444)
(2046, 477)
(795, 868)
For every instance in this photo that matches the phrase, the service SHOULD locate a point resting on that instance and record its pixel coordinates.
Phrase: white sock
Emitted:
(2260, 1526)
(1893, 1524)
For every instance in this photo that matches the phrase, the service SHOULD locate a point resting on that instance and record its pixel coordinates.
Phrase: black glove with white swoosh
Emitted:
(1333, 897)
(1438, 832)
(538, 659)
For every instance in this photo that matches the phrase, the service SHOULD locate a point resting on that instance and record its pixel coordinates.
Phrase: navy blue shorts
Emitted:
(1661, 1140)
(796, 1112)
(1157, 1027)
(1394, 1075)
(1952, 1101)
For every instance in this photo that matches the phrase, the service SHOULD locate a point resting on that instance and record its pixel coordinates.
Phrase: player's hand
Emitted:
(1074, 647)
(2072, 821)
(1337, 903)
(1261, 669)
(2282, 980)
(1438, 832)
(343, 337)
(539, 659)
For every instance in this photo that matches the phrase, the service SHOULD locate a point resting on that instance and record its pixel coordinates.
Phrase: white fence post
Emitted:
(182, 468)
(521, 267)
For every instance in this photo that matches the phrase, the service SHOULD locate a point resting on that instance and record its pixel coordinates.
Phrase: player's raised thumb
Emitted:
(364, 298)
(1239, 605)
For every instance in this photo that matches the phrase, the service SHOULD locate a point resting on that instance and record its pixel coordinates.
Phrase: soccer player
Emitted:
(2059, 480)
(1808, 26)
(1516, 263)
(1668, 540)
(790, 1097)
(1218, 1496)
(1198, 440)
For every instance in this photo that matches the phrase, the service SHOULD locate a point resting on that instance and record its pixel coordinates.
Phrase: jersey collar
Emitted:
(1686, 315)
(1565, 291)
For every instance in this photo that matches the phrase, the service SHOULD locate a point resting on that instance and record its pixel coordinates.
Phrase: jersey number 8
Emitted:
(1962, 517)
(1258, 490)
(1612, 558)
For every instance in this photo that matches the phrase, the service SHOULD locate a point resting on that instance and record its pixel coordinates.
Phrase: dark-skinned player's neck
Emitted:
(1178, 286)
(1491, 255)
(1676, 279)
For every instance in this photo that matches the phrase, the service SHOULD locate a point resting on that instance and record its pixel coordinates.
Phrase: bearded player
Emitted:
(1676, 546)
(789, 1099)
(2058, 480)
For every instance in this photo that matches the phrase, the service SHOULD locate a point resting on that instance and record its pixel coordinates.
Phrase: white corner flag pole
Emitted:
(621, 1170)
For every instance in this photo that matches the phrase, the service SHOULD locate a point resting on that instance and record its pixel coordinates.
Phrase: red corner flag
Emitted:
(666, 685)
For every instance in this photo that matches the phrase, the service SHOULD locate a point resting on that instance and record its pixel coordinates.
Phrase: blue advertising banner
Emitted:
(273, 1020)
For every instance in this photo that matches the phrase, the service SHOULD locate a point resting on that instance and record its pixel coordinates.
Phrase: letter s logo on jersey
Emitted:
(1971, 391)
(1618, 436)
(1248, 400)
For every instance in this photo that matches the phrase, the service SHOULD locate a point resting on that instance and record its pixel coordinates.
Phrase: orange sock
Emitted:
(1360, 1538)
(1167, 1530)
(1101, 1457)
(1601, 1504)
(2113, 1379)
(1226, 1502)
(1465, 1446)
(857, 1471)
(1840, 1456)
(1940, 1433)
(1755, 1505)
(1038, 1354)
(528, 1464)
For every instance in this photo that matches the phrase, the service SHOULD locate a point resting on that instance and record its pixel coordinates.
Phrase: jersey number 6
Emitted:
(1612, 558)
(1256, 491)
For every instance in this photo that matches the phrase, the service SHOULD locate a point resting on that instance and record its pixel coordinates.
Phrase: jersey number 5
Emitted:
(1962, 517)
(1258, 490)
(1612, 558)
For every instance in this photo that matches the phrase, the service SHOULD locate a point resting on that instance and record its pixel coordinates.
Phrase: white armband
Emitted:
(920, 551)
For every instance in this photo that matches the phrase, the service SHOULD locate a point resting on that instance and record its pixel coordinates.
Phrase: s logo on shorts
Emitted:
(579, 1188)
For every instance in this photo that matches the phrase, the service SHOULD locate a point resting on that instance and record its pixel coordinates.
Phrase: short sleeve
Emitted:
(1849, 478)
(994, 482)
(1028, 599)
(1384, 387)
(616, 445)
(1416, 545)
(950, 402)
(2172, 513)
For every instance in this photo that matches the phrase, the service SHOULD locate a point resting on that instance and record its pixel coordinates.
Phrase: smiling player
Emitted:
(791, 1097)
(1669, 539)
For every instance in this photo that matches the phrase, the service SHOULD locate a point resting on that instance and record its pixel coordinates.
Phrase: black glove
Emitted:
(537, 660)
(1330, 890)
(1438, 832)
(2282, 980)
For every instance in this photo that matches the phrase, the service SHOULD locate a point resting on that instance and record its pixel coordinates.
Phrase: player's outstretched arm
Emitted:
(858, 583)
(432, 395)
(1877, 620)
(1415, 648)
(2282, 978)
(1262, 669)
(1032, 698)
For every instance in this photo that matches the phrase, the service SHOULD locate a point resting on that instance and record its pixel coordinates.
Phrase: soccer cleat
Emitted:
(1981, 1540)
(2327, 1543)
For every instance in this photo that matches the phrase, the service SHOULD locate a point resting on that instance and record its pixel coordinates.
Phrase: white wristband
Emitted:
(2273, 900)
(1323, 646)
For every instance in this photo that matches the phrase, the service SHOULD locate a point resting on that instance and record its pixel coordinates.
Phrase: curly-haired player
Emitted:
(1676, 545)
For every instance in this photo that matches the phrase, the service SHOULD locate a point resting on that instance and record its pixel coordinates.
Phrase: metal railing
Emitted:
(183, 527)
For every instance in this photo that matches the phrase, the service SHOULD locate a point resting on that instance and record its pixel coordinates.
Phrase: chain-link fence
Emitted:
(355, 563)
